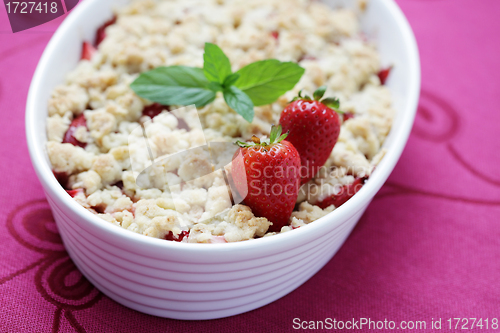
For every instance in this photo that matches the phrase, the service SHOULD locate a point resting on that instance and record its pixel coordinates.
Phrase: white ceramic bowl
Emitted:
(200, 281)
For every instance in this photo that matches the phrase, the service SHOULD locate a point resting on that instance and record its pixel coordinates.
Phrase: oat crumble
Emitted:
(147, 34)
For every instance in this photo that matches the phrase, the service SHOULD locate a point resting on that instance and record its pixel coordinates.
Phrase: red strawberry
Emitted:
(101, 32)
(314, 128)
(87, 51)
(269, 171)
(384, 74)
(170, 236)
(69, 136)
(346, 192)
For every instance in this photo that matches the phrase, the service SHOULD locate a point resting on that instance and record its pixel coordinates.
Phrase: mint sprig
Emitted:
(256, 84)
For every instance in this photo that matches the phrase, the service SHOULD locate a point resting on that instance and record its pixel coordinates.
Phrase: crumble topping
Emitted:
(326, 42)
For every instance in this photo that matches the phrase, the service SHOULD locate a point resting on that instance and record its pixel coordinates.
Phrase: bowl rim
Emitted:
(343, 213)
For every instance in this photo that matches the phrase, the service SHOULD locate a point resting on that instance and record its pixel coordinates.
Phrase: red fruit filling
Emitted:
(74, 193)
(346, 192)
(69, 137)
(101, 208)
(153, 110)
(275, 34)
(306, 57)
(170, 236)
(347, 116)
(62, 178)
(384, 74)
(101, 32)
(87, 51)
(119, 184)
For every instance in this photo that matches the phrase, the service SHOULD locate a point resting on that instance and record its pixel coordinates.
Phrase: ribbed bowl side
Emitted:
(188, 294)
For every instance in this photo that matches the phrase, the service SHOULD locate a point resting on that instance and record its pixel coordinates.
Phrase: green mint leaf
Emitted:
(231, 79)
(174, 85)
(331, 102)
(265, 81)
(319, 93)
(216, 65)
(215, 86)
(239, 102)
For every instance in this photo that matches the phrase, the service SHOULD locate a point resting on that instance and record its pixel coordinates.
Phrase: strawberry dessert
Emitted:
(217, 121)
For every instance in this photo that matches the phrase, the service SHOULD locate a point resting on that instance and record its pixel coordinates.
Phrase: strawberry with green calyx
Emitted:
(314, 127)
(269, 172)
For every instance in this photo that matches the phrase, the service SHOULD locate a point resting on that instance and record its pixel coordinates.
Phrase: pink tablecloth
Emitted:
(428, 247)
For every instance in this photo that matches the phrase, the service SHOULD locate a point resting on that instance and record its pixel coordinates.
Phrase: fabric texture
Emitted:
(426, 248)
